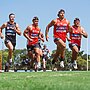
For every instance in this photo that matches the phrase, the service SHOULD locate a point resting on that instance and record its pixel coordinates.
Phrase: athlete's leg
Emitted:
(37, 54)
(62, 46)
(75, 51)
(56, 54)
(44, 64)
(31, 55)
(10, 47)
(40, 51)
(61, 51)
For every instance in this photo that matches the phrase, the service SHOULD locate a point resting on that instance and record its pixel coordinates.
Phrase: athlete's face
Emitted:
(61, 15)
(44, 46)
(77, 23)
(35, 22)
(11, 18)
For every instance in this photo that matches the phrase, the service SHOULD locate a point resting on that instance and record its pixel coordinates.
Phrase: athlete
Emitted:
(11, 29)
(41, 43)
(76, 33)
(33, 34)
(45, 53)
(61, 26)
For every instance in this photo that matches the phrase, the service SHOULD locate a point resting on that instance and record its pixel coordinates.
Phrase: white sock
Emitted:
(10, 60)
(43, 63)
(39, 64)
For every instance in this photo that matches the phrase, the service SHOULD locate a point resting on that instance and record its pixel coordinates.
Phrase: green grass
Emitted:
(45, 80)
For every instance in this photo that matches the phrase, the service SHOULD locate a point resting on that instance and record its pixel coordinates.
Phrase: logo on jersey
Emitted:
(76, 36)
(61, 28)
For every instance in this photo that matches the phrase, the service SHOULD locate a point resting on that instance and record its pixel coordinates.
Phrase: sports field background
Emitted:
(62, 80)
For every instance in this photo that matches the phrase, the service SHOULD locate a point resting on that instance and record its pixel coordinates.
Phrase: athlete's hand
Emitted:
(30, 40)
(15, 28)
(2, 37)
(68, 39)
(47, 37)
(80, 32)
(42, 39)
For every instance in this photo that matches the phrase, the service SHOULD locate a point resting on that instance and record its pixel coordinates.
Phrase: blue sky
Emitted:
(46, 10)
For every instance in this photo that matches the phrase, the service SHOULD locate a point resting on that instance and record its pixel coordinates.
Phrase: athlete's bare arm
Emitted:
(68, 38)
(84, 33)
(70, 29)
(1, 28)
(41, 36)
(25, 33)
(17, 29)
(47, 28)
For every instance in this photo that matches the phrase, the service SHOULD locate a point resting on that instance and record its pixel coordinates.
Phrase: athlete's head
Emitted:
(44, 46)
(61, 13)
(35, 20)
(77, 21)
(11, 17)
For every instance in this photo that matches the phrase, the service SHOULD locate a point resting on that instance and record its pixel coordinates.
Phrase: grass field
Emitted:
(63, 80)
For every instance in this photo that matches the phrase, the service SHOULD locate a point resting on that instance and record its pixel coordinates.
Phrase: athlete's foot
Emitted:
(44, 69)
(75, 65)
(62, 64)
(39, 66)
(35, 67)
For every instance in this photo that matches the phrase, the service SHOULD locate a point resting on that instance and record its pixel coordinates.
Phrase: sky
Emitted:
(46, 10)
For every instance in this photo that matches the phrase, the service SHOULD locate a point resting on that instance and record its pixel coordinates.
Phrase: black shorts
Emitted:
(12, 41)
(57, 39)
(73, 44)
(10, 38)
(32, 47)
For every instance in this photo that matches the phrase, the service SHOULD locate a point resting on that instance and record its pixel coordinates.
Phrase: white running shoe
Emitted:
(62, 64)
(75, 65)
(38, 65)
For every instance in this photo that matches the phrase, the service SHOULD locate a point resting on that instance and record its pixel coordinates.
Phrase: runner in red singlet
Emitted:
(33, 34)
(76, 34)
(61, 27)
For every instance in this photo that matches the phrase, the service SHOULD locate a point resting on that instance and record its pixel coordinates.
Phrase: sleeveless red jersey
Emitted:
(75, 36)
(34, 35)
(61, 29)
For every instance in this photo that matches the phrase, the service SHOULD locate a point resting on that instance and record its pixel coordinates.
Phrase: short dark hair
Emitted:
(76, 19)
(35, 18)
(61, 10)
(11, 14)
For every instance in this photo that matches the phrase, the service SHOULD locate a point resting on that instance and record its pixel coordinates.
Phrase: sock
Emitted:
(39, 64)
(10, 60)
(43, 63)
